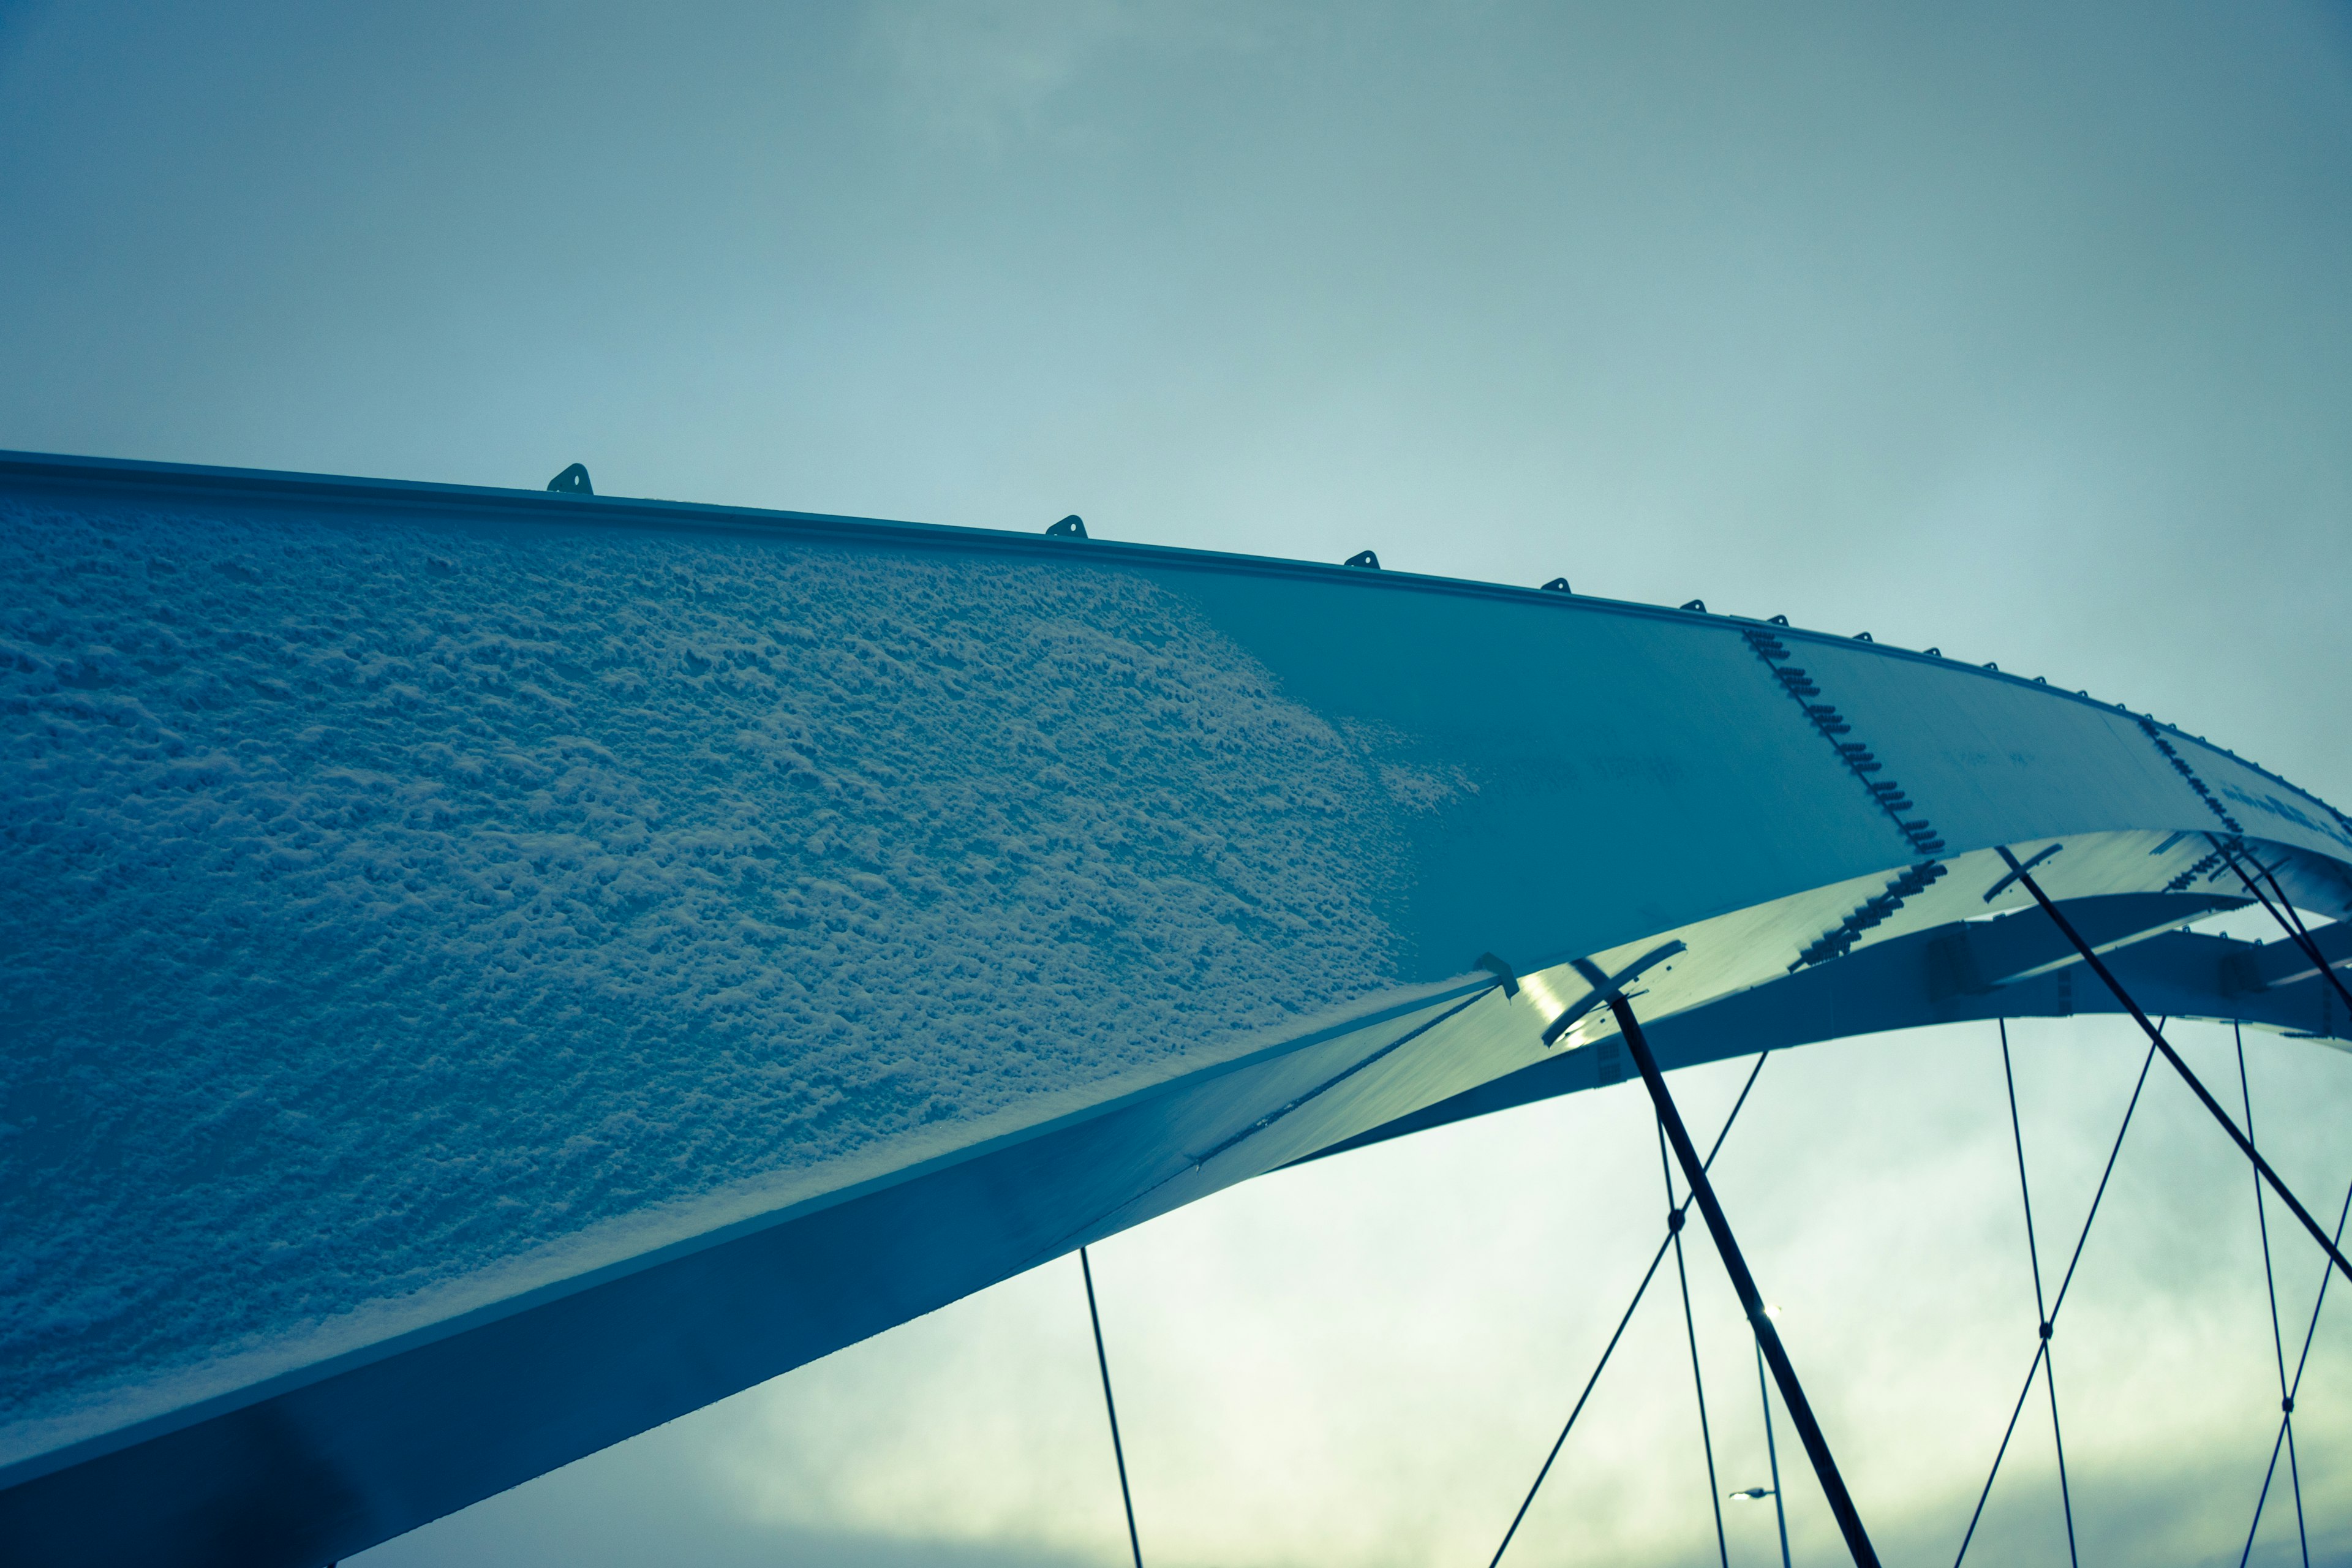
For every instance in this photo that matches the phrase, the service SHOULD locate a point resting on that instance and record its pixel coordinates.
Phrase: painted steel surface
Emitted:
(1479, 794)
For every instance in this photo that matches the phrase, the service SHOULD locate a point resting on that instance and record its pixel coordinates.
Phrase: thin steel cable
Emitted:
(2001, 1453)
(2295, 918)
(1610, 1349)
(2295, 1474)
(1606, 1352)
(2024, 879)
(2262, 1208)
(2017, 1137)
(1690, 1329)
(1742, 1280)
(2058, 1441)
(1772, 1454)
(1110, 1407)
(2303, 934)
(2326, 1278)
(2271, 876)
(2066, 1284)
(2041, 1349)
(2049, 1358)
(2276, 1443)
(2270, 1286)
(2283, 912)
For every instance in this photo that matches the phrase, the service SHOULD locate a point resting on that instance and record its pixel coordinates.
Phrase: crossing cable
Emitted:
(1751, 1300)
(2157, 1036)
(1673, 1225)
(2034, 1252)
(2057, 1305)
(2326, 1278)
(2278, 1342)
(1772, 1455)
(1110, 1406)
(2283, 912)
(1690, 1328)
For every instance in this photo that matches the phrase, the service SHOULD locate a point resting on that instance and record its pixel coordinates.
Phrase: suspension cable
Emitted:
(2270, 1285)
(2017, 1136)
(2326, 1278)
(2278, 1340)
(2002, 1452)
(2114, 1151)
(1743, 1283)
(2197, 1087)
(1690, 1329)
(2283, 912)
(1772, 1454)
(1529, 1502)
(2057, 1305)
(1674, 1224)
(1110, 1406)
(2294, 920)
(2049, 1356)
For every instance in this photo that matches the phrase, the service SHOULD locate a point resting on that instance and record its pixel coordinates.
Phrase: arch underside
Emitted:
(1766, 837)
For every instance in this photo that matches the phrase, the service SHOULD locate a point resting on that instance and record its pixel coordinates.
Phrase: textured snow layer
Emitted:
(381, 902)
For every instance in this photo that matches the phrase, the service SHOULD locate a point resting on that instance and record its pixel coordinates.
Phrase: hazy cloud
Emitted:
(2017, 331)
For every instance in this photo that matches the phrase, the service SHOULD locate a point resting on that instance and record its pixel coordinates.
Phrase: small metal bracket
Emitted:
(1558, 585)
(1509, 976)
(1698, 605)
(1363, 558)
(1071, 527)
(572, 481)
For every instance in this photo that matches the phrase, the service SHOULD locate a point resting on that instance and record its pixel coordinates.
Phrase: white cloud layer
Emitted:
(1363, 1362)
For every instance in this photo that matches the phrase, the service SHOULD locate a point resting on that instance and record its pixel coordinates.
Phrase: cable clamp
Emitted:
(2016, 869)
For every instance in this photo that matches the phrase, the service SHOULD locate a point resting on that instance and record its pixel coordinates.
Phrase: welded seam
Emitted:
(1839, 940)
(1884, 792)
(2155, 733)
(1859, 761)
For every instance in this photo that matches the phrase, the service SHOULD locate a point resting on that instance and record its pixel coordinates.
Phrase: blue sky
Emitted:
(2021, 331)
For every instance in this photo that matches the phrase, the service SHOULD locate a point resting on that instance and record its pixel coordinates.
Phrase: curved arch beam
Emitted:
(1279, 860)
